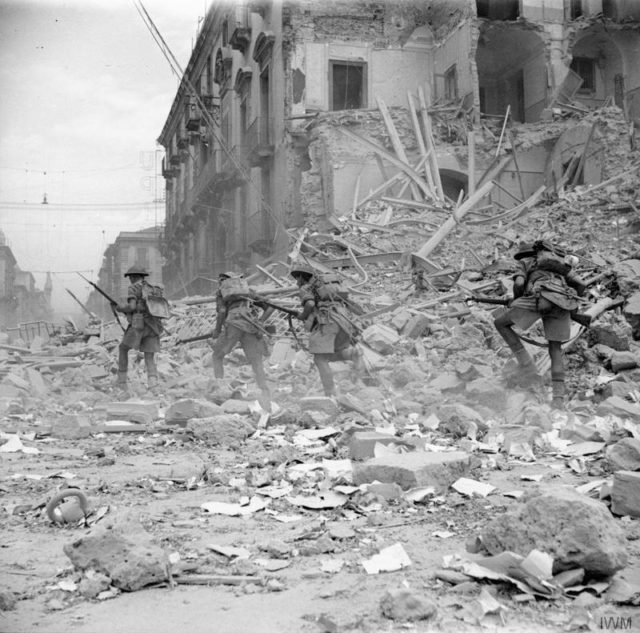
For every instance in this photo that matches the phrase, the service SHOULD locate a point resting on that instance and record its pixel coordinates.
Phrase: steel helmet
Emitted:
(229, 274)
(525, 249)
(302, 269)
(136, 269)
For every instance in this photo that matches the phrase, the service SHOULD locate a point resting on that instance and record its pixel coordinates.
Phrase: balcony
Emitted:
(169, 172)
(259, 141)
(229, 176)
(193, 116)
(240, 30)
(183, 141)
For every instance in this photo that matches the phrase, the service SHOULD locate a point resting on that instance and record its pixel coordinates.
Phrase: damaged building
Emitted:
(255, 139)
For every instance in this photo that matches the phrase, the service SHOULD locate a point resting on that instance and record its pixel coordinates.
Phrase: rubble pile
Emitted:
(434, 464)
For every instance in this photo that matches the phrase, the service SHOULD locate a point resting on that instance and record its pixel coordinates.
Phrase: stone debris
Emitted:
(625, 493)
(411, 470)
(437, 409)
(404, 605)
(576, 530)
(126, 555)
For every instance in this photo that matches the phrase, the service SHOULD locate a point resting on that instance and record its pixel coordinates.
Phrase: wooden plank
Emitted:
(511, 195)
(382, 188)
(583, 157)
(412, 203)
(430, 143)
(471, 175)
(452, 221)
(504, 127)
(395, 141)
(515, 162)
(495, 168)
(421, 145)
(418, 166)
(356, 195)
(376, 258)
(407, 169)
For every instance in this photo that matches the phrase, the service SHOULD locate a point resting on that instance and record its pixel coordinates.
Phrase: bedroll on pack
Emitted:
(234, 288)
(157, 305)
(548, 260)
(329, 287)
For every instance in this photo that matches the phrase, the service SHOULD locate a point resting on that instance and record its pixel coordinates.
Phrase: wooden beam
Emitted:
(420, 140)
(504, 127)
(495, 168)
(583, 157)
(452, 221)
(395, 141)
(407, 169)
(418, 166)
(515, 162)
(471, 175)
(430, 143)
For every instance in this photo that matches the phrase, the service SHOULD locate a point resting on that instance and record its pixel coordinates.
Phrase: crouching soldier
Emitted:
(544, 288)
(238, 321)
(332, 335)
(144, 330)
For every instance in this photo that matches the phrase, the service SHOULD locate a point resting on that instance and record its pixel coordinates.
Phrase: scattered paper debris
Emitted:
(390, 558)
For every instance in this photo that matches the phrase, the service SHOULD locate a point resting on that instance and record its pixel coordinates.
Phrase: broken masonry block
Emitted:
(130, 561)
(417, 468)
(623, 360)
(71, 427)
(405, 605)
(242, 407)
(620, 407)
(319, 403)
(613, 335)
(363, 443)
(221, 430)
(625, 494)
(183, 410)
(631, 312)
(576, 530)
(400, 318)
(417, 326)
(381, 338)
(141, 411)
(624, 455)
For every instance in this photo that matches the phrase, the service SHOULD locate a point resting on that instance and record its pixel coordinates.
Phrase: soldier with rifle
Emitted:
(144, 309)
(544, 287)
(332, 335)
(238, 321)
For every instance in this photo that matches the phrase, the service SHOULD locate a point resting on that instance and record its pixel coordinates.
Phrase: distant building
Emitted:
(8, 300)
(130, 247)
(20, 300)
(280, 78)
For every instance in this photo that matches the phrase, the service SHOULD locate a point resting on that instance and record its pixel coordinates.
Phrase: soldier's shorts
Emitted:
(525, 311)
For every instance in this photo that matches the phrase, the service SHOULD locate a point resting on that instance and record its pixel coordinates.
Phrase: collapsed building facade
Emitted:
(254, 140)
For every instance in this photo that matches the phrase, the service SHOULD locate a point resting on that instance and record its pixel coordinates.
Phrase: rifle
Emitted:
(111, 301)
(275, 306)
(91, 314)
(583, 319)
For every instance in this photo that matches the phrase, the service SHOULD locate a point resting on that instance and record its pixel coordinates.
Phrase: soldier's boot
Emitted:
(558, 393)
(326, 375)
(525, 362)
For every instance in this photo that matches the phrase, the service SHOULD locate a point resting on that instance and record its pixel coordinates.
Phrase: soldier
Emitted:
(543, 287)
(143, 332)
(238, 322)
(332, 335)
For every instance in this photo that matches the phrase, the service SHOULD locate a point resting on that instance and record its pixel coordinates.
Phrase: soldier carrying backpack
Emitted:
(544, 288)
(145, 308)
(325, 311)
(239, 321)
